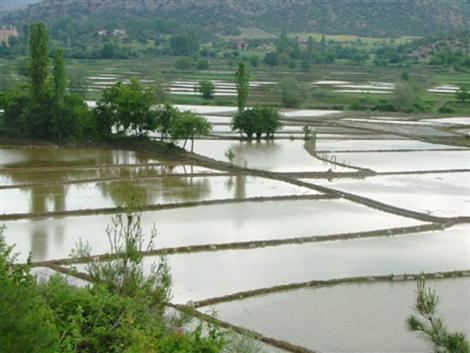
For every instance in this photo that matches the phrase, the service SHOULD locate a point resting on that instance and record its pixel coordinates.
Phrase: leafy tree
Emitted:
(271, 59)
(462, 94)
(431, 327)
(206, 88)
(257, 121)
(165, 115)
(242, 80)
(187, 125)
(183, 64)
(60, 81)
(283, 43)
(127, 107)
(39, 58)
(184, 44)
(292, 94)
(403, 97)
(202, 64)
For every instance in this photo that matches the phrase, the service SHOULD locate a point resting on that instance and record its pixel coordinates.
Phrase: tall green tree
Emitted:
(242, 80)
(39, 58)
(60, 80)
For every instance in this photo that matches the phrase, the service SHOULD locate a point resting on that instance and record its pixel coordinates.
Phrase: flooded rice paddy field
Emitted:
(54, 237)
(277, 155)
(348, 317)
(357, 201)
(176, 189)
(204, 275)
(392, 161)
(439, 194)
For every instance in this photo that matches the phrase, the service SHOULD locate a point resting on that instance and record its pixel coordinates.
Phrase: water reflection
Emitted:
(273, 155)
(50, 156)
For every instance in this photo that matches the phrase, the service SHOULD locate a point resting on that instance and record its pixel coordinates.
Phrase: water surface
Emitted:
(204, 275)
(277, 155)
(173, 189)
(439, 194)
(347, 318)
(54, 238)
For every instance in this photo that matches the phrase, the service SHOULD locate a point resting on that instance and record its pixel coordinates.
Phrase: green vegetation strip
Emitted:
(256, 244)
(99, 180)
(332, 282)
(113, 210)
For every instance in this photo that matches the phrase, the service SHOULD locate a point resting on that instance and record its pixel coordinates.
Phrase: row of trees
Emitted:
(46, 109)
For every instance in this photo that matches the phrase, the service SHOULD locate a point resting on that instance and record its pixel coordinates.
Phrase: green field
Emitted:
(163, 73)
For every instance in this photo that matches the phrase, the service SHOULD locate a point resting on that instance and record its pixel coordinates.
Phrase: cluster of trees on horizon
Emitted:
(158, 37)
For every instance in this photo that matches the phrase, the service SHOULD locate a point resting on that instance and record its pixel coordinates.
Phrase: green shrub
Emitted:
(25, 321)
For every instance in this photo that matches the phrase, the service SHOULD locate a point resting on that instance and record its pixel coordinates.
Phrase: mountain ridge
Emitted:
(361, 17)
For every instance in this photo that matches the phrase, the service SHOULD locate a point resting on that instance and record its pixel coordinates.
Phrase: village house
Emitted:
(241, 44)
(121, 33)
(6, 33)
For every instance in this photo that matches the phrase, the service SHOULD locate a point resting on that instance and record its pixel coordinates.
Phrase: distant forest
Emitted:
(361, 17)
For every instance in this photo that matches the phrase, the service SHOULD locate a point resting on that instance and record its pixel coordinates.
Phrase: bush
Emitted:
(25, 324)
(257, 121)
(445, 109)
(183, 64)
(206, 88)
(186, 125)
(292, 94)
(403, 97)
(202, 64)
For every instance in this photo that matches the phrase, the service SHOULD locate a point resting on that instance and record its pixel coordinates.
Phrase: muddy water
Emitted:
(204, 275)
(349, 317)
(406, 161)
(278, 155)
(440, 194)
(364, 145)
(47, 156)
(175, 189)
(53, 238)
(43, 175)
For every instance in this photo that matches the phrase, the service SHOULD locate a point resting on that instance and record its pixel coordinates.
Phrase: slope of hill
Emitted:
(363, 17)
(14, 5)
